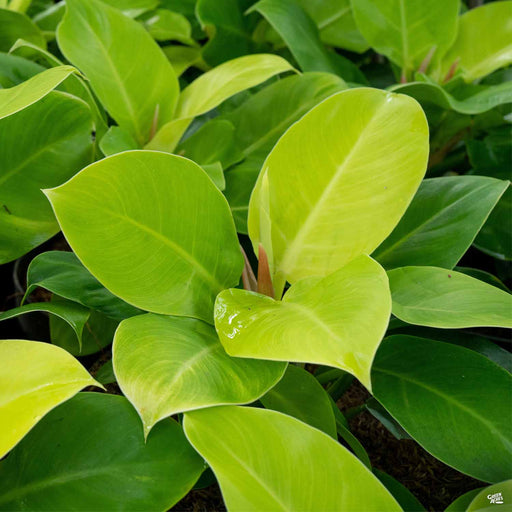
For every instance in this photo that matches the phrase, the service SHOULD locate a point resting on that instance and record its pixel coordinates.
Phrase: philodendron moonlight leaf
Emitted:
(300, 395)
(407, 31)
(35, 378)
(17, 98)
(258, 457)
(450, 400)
(212, 88)
(436, 297)
(15, 26)
(441, 222)
(484, 41)
(126, 68)
(42, 146)
(167, 365)
(62, 273)
(337, 182)
(90, 454)
(337, 321)
(153, 229)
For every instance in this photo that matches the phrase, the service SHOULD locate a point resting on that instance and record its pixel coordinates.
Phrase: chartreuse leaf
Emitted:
(215, 86)
(14, 70)
(300, 395)
(436, 297)
(336, 24)
(90, 454)
(73, 314)
(258, 458)
(183, 57)
(484, 98)
(62, 273)
(337, 321)
(337, 182)
(133, 8)
(408, 31)
(165, 25)
(484, 41)
(497, 494)
(42, 146)
(17, 98)
(449, 209)
(35, 378)
(126, 68)
(15, 26)
(167, 365)
(303, 40)
(153, 229)
(450, 400)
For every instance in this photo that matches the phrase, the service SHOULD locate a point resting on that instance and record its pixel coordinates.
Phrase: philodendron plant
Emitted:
(227, 372)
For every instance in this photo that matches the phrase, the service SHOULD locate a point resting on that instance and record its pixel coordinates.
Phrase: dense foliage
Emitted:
(264, 201)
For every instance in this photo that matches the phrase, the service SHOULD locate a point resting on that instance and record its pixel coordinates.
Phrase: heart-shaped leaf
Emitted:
(337, 321)
(90, 454)
(337, 182)
(126, 68)
(448, 393)
(436, 297)
(167, 365)
(35, 378)
(258, 458)
(444, 209)
(151, 228)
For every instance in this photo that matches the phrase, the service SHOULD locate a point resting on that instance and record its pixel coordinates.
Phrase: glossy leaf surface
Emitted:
(450, 401)
(42, 146)
(406, 31)
(151, 256)
(337, 321)
(484, 41)
(35, 378)
(299, 394)
(126, 68)
(309, 208)
(17, 98)
(437, 297)
(170, 365)
(441, 222)
(109, 468)
(250, 450)
(62, 273)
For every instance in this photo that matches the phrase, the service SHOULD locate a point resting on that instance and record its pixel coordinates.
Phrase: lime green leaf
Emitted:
(336, 24)
(449, 402)
(62, 273)
(150, 227)
(303, 40)
(337, 182)
(116, 140)
(73, 314)
(337, 321)
(18, 26)
(496, 494)
(444, 298)
(182, 57)
(21, 96)
(165, 25)
(15, 70)
(484, 98)
(35, 378)
(89, 454)
(258, 458)
(213, 87)
(449, 209)
(169, 365)
(133, 8)
(484, 41)
(407, 31)
(299, 394)
(126, 68)
(42, 146)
